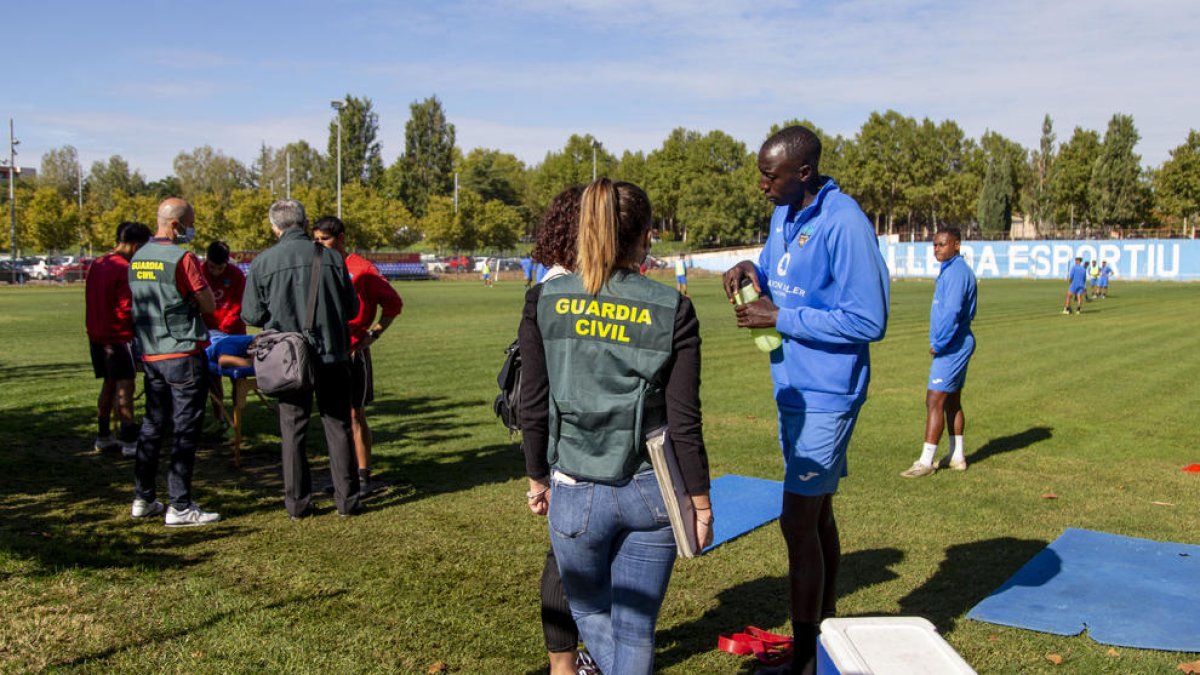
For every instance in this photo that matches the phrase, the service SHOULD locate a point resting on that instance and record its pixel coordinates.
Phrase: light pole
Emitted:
(338, 105)
(12, 204)
(595, 143)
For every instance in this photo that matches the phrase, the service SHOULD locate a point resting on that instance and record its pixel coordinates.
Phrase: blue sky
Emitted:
(148, 79)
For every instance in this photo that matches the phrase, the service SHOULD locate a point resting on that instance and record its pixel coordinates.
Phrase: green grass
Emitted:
(1097, 409)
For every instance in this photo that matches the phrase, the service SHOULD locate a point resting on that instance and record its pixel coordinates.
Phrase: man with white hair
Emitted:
(276, 298)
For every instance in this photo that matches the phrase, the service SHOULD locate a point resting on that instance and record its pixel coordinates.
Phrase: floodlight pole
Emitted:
(337, 105)
(79, 175)
(594, 144)
(456, 192)
(12, 204)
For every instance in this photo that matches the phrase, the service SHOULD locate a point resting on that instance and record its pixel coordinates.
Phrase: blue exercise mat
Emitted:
(1125, 591)
(741, 504)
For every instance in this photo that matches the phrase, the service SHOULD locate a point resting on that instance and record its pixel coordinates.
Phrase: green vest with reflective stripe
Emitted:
(162, 320)
(605, 357)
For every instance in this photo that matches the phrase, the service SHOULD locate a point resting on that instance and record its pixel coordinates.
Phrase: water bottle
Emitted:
(766, 339)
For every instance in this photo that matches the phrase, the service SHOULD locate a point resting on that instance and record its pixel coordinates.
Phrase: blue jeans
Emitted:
(615, 552)
(176, 390)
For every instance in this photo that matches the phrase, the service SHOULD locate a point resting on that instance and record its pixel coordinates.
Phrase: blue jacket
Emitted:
(1078, 275)
(822, 267)
(953, 306)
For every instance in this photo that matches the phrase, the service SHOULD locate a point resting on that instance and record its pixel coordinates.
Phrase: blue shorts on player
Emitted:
(1075, 289)
(948, 372)
(814, 449)
(681, 278)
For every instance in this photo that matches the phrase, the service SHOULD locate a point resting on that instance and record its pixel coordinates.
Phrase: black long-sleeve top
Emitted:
(682, 395)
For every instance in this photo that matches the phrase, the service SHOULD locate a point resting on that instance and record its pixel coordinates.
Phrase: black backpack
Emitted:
(507, 405)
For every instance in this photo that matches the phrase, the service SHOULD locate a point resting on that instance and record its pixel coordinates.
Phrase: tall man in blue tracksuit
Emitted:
(823, 286)
(951, 344)
(1076, 279)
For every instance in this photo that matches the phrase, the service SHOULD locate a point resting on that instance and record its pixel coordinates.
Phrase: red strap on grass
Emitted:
(769, 648)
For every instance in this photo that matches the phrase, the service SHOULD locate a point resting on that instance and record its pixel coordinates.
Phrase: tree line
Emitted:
(906, 173)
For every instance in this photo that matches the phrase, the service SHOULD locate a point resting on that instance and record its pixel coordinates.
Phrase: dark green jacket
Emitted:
(164, 321)
(277, 294)
(606, 356)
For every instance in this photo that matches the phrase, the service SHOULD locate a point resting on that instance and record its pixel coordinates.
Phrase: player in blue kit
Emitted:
(823, 285)
(1077, 278)
(1105, 273)
(951, 344)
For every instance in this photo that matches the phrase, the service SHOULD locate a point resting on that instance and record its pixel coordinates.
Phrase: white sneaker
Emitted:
(105, 443)
(129, 449)
(917, 470)
(958, 464)
(145, 509)
(192, 516)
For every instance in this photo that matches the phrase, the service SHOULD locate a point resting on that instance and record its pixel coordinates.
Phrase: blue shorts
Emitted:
(948, 372)
(814, 449)
(1075, 289)
(681, 278)
(1104, 283)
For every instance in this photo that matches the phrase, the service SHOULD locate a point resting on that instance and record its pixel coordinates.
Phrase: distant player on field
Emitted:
(1105, 273)
(1094, 280)
(951, 344)
(681, 267)
(1077, 277)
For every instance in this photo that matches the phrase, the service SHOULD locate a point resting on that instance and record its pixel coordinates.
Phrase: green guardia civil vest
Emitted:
(605, 357)
(162, 320)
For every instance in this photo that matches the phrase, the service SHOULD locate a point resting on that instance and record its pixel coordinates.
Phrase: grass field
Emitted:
(1098, 409)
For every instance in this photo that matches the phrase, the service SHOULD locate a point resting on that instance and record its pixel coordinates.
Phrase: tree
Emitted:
(61, 170)
(632, 168)
(499, 225)
(307, 165)
(246, 217)
(1042, 159)
(719, 204)
(108, 179)
(1016, 158)
(996, 197)
(447, 229)
(1071, 174)
(1116, 187)
(208, 171)
(372, 220)
(427, 166)
(571, 166)
(362, 162)
(52, 222)
(1177, 182)
(494, 175)
(941, 188)
(881, 156)
(665, 177)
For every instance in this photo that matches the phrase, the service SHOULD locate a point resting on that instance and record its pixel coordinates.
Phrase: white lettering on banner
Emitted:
(1062, 259)
(1110, 253)
(1133, 250)
(1042, 255)
(1018, 260)
(1162, 267)
(932, 266)
(987, 263)
(1088, 253)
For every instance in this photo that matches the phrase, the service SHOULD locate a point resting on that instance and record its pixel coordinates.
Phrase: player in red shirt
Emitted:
(110, 334)
(228, 284)
(375, 295)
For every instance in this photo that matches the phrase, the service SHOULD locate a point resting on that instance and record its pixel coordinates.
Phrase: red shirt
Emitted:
(374, 292)
(109, 302)
(189, 279)
(227, 291)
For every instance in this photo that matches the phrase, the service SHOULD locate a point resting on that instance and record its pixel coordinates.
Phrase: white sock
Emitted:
(956, 447)
(927, 453)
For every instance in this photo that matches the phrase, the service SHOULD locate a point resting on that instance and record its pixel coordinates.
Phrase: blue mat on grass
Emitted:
(1125, 591)
(741, 504)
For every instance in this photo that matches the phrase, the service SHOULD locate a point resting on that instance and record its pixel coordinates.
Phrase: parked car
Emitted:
(34, 266)
(459, 263)
(6, 272)
(71, 271)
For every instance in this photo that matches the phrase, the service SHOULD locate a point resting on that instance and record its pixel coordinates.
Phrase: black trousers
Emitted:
(176, 390)
(333, 400)
(558, 626)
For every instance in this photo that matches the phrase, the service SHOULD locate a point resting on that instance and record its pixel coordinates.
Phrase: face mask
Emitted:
(187, 236)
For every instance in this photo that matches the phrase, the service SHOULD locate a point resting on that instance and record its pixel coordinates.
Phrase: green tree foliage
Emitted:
(270, 169)
(720, 204)
(1116, 181)
(426, 168)
(106, 180)
(1041, 162)
(996, 147)
(1071, 175)
(493, 175)
(882, 154)
(246, 226)
(373, 221)
(499, 225)
(208, 171)
(571, 166)
(167, 186)
(996, 197)
(450, 230)
(665, 178)
(52, 222)
(101, 227)
(941, 180)
(631, 168)
(1177, 182)
(61, 170)
(361, 159)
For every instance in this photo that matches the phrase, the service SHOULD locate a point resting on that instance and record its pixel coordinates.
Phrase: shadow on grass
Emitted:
(41, 371)
(764, 603)
(167, 634)
(1010, 443)
(968, 574)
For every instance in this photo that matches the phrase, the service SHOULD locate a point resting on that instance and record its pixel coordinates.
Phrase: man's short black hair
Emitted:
(952, 231)
(330, 225)
(130, 232)
(799, 143)
(218, 253)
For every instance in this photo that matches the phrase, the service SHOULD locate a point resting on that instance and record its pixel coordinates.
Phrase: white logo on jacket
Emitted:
(782, 268)
(808, 476)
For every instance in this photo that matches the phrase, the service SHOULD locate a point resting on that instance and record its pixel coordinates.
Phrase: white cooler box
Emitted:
(891, 645)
